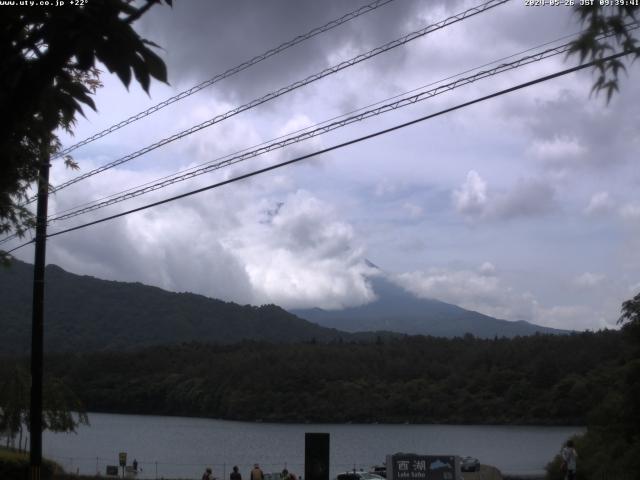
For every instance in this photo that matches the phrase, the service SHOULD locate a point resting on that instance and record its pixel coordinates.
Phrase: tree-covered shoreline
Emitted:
(538, 380)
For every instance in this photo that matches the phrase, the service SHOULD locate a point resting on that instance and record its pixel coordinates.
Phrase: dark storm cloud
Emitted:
(203, 38)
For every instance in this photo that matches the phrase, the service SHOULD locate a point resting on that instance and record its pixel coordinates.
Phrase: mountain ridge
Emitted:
(124, 316)
(85, 313)
(399, 311)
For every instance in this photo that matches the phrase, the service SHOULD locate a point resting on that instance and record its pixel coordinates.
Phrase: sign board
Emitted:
(409, 466)
(112, 470)
(122, 456)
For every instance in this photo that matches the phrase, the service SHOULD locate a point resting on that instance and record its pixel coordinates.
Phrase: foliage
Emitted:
(630, 318)
(611, 446)
(62, 410)
(48, 74)
(14, 401)
(85, 313)
(15, 466)
(543, 379)
(614, 22)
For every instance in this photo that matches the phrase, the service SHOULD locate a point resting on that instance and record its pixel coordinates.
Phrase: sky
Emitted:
(523, 207)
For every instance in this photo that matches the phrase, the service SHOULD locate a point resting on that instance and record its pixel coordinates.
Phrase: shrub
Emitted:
(14, 465)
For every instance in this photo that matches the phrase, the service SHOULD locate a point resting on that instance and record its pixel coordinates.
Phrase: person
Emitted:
(235, 475)
(135, 465)
(207, 475)
(569, 460)
(287, 475)
(256, 473)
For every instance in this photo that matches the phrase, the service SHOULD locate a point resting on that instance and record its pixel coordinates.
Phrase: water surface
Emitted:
(179, 447)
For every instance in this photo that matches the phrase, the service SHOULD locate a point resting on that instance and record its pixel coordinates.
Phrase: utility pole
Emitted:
(37, 319)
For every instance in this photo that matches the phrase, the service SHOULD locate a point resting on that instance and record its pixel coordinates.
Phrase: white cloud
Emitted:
(309, 251)
(304, 257)
(487, 268)
(483, 291)
(257, 243)
(599, 204)
(530, 197)
(630, 211)
(572, 317)
(479, 290)
(385, 187)
(588, 279)
(471, 197)
(558, 149)
(413, 210)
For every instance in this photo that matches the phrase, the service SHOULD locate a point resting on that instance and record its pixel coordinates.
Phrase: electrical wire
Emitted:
(341, 145)
(300, 83)
(228, 73)
(271, 146)
(630, 26)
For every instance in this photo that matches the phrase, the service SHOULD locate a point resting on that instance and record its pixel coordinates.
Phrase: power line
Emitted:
(300, 83)
(342, 145)
(271, 145)
(232, 71)
(274, 145)
(631, 26)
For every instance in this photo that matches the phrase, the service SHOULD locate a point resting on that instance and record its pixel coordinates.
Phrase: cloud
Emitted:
(484, 291)
(298, 236)
(530, 197)
(589, 280)
(487, 268)
(385, 187)
(571, 317)
(263, 26)
(306, 257)
(599, 204)
(258, 242)
(568, 133)
(413, 210)
(630, 211)
(480, 290)
(558, 148)
(471, 197)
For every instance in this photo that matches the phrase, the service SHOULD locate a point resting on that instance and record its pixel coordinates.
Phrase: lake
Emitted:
(178, 447)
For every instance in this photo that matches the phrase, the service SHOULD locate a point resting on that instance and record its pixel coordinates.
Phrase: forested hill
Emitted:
(84, 313)
(88, 314)
(542, 379)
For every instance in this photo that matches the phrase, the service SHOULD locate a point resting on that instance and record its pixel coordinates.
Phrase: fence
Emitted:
(157, 469)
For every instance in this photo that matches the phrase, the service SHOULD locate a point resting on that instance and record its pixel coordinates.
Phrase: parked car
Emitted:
(470, 464)
(359, 476)
(379, 470)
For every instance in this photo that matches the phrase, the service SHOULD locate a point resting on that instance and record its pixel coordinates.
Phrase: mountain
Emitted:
(84, 313)
(397, 310)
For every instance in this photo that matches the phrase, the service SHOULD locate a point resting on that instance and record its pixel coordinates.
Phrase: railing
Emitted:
(152, 469)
